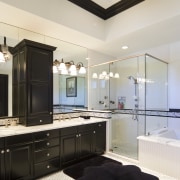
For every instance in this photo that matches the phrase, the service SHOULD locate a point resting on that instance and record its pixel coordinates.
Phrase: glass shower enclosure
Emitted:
(131, 88)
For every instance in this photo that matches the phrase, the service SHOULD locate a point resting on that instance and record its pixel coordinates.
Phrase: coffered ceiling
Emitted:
(146, 25)
(106, 9)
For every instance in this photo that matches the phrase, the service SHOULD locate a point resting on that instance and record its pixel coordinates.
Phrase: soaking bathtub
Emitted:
(160, 151)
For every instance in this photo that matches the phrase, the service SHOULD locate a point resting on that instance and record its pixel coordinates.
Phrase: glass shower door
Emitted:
(125, 128)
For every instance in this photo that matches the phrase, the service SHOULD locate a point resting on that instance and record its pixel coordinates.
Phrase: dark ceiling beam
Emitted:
(120, 7)
(91, 7)
(105, 13)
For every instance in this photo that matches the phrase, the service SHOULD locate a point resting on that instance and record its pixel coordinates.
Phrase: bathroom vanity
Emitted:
(31, 152)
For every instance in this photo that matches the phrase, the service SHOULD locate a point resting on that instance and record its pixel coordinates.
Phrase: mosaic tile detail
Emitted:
(149, 113)
(99, 114)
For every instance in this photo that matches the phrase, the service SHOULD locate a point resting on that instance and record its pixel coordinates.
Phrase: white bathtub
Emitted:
(160, 152)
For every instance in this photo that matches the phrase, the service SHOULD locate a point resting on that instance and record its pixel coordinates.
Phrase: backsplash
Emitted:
(9, 121)
(79, 112)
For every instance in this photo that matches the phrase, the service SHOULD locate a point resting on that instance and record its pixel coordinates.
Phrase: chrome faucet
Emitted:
(64, 116)
(7, 123)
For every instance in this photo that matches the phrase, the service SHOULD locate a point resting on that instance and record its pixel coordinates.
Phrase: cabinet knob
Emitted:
(2, 152)
(40, 120)
(99, 125)
(47, 143)
(94, 132)
(47, 134)
(48, 166)
(77, 135)
(50, 113)
(7, 150)
(48, 154)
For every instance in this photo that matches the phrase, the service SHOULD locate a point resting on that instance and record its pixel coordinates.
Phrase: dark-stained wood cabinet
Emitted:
(33, 155)
(33, 82)
(99, 138)
(80, 142)
(2, 159)
(46, 152)
(16, 158)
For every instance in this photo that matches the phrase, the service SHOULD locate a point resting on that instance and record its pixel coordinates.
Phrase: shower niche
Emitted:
(139, 87)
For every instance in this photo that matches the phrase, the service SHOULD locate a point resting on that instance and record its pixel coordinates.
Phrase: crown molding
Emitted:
(109, 12)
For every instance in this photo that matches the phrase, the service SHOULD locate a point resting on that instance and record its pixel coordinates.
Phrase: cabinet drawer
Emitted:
(18, 139)
(68, 131)
(46, 154)
(38, 120)
(47, 167)
(86, 127)
(46, 143)
(100, 125)
(46, 134)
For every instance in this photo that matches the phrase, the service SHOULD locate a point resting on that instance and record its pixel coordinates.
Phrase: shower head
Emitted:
(132, 78)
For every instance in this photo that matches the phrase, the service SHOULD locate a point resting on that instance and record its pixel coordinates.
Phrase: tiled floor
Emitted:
(61, 176)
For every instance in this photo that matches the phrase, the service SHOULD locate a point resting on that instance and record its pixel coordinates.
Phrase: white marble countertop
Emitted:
(19, 129)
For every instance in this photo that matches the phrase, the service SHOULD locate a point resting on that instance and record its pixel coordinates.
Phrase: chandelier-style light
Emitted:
(4, 52)
(68, 67)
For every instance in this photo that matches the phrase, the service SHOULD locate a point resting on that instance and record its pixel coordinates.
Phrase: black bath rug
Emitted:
(103, 168)
(75, 171)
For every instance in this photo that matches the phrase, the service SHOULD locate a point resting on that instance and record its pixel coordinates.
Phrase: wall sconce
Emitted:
(4, 52)
(68, 67)
(105, 75)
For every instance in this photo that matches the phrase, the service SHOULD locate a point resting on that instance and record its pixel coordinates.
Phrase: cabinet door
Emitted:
(2, 165)
(2, 156)
(40, 64)
(85, 144)
(99, 138)
(69, 147)
(40, 86)
(19, 162)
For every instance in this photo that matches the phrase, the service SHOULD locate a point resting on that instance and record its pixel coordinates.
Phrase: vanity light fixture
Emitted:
(94, 76)
(116, 75)
(105, 75)
(82, 69)
(62, 65)
(68, 67)
(2, 59)
(4, 52)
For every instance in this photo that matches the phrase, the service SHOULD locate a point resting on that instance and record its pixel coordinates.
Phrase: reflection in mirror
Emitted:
(6, 88)
(69, 54)
(67, 51)
(69, 92)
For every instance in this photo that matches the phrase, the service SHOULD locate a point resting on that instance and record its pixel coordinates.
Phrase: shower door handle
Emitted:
(134, 115)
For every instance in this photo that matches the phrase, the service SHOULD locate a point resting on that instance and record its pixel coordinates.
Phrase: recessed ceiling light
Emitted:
(124, 47)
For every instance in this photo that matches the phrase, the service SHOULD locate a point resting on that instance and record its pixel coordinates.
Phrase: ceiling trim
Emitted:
(105, 13)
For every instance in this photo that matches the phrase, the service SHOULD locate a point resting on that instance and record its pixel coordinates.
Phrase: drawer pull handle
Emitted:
(47, 143)
(48, 154)
(47, 134)
(40, 120)
(48, 166)
(2, 152)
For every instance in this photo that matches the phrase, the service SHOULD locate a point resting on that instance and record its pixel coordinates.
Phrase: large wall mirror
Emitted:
(62, 102)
